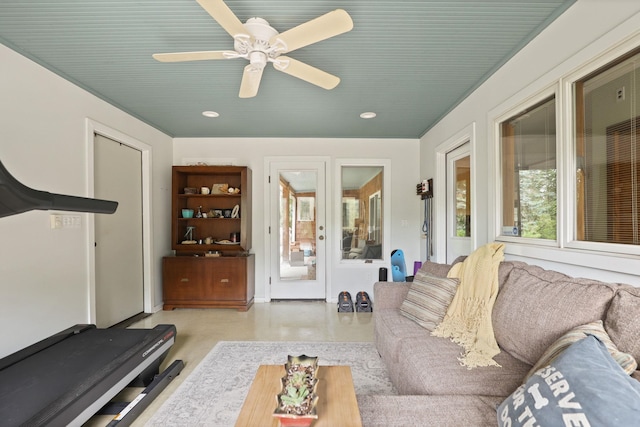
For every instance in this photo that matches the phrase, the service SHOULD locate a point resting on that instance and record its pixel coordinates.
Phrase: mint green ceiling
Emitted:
(409, 61)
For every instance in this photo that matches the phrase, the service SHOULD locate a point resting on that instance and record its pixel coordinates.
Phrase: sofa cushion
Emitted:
(388, 295)
(622, 320)
(389, 329)
(430, 365)
(440, 411)
(535, 307)
(583, 386)
(625, 360)
(434, 269)
(428, 299)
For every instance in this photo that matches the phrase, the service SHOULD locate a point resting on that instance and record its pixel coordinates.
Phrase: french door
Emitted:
(297, 242)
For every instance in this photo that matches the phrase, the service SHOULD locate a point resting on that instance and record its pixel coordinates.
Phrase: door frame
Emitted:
(94, 127)
(269, 261)
(466, 134)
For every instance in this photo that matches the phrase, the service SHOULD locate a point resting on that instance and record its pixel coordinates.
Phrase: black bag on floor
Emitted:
(363, 302)
(345, 303)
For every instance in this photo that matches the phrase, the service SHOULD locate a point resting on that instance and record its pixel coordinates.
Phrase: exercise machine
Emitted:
(68, 377)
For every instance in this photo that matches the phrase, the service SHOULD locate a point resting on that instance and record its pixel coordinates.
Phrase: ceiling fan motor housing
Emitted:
(261, 32)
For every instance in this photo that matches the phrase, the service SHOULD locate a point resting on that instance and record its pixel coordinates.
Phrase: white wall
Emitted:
(586, 30)
(251, 152)
(44, 273)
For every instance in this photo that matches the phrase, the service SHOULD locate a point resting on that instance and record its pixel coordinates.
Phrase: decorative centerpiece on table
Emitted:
(297, 401)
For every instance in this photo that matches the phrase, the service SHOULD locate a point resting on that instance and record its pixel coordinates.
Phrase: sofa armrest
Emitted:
(389, 294)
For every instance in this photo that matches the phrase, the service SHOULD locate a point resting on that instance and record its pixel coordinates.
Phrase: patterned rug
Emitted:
(213, 394)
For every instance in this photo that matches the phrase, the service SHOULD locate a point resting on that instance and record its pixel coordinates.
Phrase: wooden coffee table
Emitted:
(337, 405)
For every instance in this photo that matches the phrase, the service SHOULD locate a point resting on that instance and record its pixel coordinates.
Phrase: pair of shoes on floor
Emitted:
(346, 305)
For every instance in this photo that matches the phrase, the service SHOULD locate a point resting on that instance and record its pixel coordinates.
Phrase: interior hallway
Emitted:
(198, 330)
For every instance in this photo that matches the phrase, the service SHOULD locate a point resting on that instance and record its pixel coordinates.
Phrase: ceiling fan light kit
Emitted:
(259, 43)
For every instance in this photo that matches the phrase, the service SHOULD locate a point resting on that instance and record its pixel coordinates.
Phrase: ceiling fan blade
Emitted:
(306, 72)
(194, 56)
(250, 81)
(321, 28)
(224, 16)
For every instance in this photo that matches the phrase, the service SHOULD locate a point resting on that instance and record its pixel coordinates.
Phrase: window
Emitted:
(607, 150)
(529, 175)
(362, 212)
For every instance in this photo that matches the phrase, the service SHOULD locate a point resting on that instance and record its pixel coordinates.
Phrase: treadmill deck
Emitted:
(55, 384)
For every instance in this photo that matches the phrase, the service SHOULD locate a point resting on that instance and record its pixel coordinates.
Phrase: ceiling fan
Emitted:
(259, 43)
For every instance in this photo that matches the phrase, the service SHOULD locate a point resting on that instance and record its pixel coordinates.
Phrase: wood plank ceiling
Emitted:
(409, 61)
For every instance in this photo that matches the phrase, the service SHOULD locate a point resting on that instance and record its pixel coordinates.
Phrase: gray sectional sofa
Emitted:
(534, 308)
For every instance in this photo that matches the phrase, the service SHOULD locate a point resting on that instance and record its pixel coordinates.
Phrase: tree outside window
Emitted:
(529, 173)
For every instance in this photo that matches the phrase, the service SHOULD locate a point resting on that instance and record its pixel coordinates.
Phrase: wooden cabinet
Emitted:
(221, 226)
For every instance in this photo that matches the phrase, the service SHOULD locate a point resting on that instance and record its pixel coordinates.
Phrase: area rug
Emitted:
(213, 394)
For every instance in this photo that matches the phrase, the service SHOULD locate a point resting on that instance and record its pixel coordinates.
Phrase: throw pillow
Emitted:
(626, 361)
(583, 386)
(428, 299)
(621, 321)
(536, 306)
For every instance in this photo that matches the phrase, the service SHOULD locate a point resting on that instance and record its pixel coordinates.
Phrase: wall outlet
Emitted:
(620, 94)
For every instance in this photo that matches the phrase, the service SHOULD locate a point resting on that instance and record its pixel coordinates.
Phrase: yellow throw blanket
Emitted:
(468, 318)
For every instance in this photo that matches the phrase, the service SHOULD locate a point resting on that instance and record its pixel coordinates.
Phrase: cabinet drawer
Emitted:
(183, 279)
(227, 279)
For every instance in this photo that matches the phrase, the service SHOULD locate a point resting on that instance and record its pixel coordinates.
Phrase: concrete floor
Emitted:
(200, 329)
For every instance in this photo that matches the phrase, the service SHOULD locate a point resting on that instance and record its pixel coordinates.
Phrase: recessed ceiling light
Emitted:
(210, 114)
(368, 115)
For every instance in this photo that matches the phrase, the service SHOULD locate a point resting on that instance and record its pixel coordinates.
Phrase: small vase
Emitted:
(285, 416)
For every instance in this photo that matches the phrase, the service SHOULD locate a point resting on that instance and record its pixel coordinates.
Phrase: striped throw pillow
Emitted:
(626, 361)
(428, 299)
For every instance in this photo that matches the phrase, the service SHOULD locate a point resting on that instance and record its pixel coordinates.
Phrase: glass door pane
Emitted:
(362, 202)
(297, 243)
(297, 225)
(463, 197)
(459, 196)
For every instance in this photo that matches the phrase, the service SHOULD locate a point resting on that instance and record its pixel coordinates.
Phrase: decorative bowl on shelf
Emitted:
(190, 190)
(187, 213)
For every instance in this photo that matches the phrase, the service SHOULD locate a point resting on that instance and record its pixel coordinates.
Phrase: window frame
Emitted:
(611, 257)
(507, 112)
(568, 92)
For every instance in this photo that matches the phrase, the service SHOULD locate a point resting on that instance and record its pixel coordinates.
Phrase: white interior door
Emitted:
(297, 230)
(459, 202)
(119, 249)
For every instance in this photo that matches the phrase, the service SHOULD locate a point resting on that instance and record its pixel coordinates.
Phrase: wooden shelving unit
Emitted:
(193, 277)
